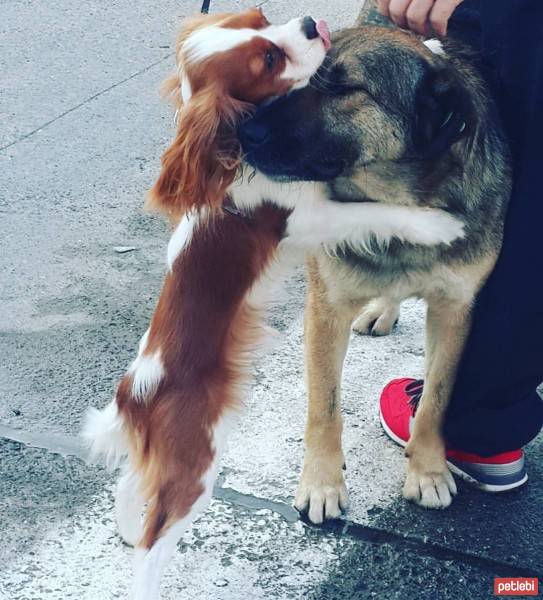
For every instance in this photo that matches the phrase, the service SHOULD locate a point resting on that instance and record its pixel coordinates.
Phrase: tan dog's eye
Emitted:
(270, 61)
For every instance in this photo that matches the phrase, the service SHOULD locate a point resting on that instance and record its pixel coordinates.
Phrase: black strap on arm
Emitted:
(205, 7)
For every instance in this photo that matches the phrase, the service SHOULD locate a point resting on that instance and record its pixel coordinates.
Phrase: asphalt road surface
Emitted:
(81, 132)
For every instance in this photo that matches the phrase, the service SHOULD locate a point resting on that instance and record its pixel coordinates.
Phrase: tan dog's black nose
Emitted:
(309, 27)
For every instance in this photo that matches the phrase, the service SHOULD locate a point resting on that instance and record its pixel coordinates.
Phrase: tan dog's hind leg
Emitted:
(322, 492)
(429, 481)
(378, 317)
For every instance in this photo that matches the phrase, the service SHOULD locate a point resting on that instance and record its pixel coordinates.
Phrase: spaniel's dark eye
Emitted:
(270, 61)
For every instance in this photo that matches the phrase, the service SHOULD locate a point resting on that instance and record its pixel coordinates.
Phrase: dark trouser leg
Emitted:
(495, 407)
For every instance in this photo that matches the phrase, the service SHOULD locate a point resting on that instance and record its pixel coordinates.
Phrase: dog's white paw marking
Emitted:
(322, 500)
(378, 317)
(430, 226)
(431, 490)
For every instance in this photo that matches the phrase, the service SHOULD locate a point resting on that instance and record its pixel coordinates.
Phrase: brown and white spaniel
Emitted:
(169, 420)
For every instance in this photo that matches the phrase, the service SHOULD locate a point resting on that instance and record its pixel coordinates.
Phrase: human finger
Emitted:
(382, 6)
(417, 16)
(397, 10)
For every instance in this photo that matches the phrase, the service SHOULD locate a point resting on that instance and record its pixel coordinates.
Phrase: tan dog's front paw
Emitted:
(431, 489)
(321, 497)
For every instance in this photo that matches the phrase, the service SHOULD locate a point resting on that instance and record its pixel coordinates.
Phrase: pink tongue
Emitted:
(324, 32)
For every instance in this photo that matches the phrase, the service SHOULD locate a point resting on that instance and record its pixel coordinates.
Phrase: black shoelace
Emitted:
(414, 391)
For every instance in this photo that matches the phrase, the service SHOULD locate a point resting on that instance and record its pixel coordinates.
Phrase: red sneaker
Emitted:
(497, 473)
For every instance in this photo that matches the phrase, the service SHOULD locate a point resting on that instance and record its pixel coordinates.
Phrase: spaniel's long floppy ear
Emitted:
(171, 90)
(203, 158)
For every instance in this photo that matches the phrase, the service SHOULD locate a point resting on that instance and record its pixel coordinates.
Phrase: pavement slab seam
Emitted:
(70, 447)
(86, 101)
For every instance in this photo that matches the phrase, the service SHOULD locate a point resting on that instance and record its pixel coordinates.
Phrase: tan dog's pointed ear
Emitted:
(203, 159)
(443, 112)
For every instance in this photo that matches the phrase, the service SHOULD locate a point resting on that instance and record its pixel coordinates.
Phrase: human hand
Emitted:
(425, 17)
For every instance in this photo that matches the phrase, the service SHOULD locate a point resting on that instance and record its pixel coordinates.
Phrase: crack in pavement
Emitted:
(94, 96)
(72, 447)
(64, 445)
(419, 546)
(89, 99)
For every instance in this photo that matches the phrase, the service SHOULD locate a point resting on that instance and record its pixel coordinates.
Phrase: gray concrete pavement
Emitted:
(81, 132)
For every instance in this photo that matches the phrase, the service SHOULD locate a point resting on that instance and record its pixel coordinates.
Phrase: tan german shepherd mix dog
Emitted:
(388, 121)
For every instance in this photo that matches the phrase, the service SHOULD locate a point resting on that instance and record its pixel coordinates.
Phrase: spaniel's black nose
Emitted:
(309, 27)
